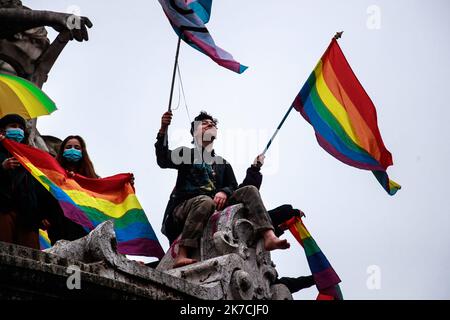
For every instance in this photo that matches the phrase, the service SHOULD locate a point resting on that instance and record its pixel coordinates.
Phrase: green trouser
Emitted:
(195, 212)
(257, 213)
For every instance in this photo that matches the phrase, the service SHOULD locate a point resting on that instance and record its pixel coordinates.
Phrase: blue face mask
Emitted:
(15, 134)
(72, 155)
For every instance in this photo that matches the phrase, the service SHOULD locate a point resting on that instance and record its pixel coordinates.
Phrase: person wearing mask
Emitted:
(74, 158)
(22, 197)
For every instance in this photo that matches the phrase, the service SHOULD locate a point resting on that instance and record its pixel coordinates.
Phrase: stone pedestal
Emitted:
(231, 258)
(233, 265)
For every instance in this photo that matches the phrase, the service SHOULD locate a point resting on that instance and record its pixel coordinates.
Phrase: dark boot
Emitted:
(297, 284)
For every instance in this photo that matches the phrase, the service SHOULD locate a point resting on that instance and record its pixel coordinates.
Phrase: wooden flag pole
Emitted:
(174, 74)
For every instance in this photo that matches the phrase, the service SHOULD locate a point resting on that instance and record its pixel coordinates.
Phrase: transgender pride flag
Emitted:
(188, 18)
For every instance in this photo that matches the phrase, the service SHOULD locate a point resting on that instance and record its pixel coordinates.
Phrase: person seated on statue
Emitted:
(22, 198)
(278, 216)
(205, 182)
(74, 158)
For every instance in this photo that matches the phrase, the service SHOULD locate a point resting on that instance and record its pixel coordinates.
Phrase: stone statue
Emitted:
(232, 259)
(16, 18)
(233, 264)
(25, 49)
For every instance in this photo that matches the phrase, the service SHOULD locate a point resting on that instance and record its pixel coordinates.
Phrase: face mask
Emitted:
(72, 155)
(15, 134)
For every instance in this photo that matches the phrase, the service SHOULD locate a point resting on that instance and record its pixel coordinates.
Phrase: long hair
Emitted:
(84, 167)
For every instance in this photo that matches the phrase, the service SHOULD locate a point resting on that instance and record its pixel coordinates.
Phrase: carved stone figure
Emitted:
(233, 264)
(25, 49)
(231, 257)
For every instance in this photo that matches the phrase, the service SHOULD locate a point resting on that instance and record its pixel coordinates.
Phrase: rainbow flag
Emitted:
(326, 279)
(343, 116)
(188, 18)
(44, 241)
(89, 202)
(22, 97)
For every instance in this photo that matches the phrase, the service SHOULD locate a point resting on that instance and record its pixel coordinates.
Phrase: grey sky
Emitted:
(113, 89)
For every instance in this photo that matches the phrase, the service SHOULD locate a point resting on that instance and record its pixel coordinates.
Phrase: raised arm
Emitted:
(164, 156)
(15, 20)
(254, 176)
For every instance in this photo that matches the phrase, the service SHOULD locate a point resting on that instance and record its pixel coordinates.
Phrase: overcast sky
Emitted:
(113, 89)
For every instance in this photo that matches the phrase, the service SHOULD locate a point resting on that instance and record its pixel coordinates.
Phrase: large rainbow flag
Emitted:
(89, 202)
(188, 18)
(326, 279)
(344, 117)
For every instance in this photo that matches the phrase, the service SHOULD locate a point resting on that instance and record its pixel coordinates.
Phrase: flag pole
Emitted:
(278, 129)
(337, 36)
(174, 74)
(177, 54)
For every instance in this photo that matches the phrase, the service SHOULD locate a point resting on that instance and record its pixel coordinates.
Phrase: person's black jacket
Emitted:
(253, 177)
(197, 175)
(21, 193)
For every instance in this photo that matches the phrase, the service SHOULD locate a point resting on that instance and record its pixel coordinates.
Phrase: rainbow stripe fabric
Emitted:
(90, 202)
(22, 97)
(326, 279)
(188, 18)
(344, 117)
(44, 241)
